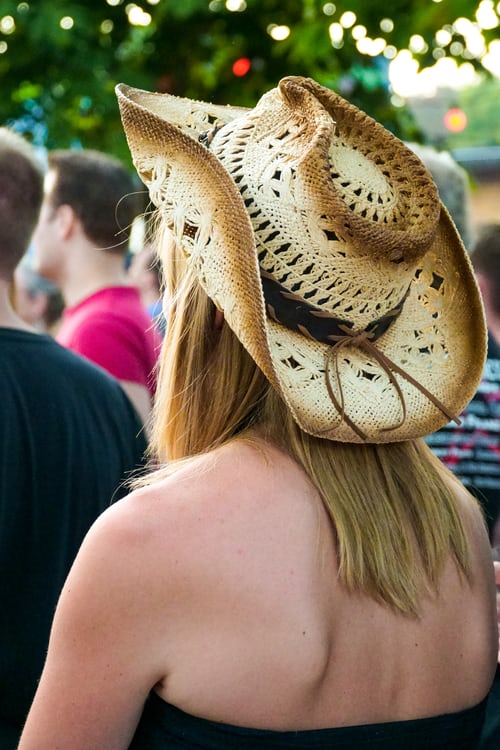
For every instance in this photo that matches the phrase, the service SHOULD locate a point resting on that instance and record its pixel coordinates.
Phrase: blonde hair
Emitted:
(392, 506)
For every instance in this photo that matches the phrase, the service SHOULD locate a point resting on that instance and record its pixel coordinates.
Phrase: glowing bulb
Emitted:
(278, 33)
(443, 37)
(137, 16)
(348, 19)
(241, 66)
(107, 26)
(387, 25)
(417, 44)
(66, 23)
(486, 16)
(336, 33)
(236, 6)
(359, 32)
(7, 25)
(329, 9)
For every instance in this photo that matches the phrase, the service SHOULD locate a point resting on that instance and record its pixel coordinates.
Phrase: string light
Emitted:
(137, 16)
(443, 37)
(329, 9)
(359, 32)
(486, 16)
(241, 66)
(66, 23)
(7, 25)
(107, 26)
(348, 19)
(236, 6)
(336, 33)
(278, 33)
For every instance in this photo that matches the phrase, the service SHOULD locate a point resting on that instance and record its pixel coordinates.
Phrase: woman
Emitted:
(303, 573)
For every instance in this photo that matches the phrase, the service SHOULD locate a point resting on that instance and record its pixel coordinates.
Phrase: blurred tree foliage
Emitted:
(60, 60)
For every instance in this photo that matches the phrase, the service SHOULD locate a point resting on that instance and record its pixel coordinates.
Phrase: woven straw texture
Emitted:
(311, 190)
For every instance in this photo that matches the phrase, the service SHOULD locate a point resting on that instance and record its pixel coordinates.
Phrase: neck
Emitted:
(8, 317)
(150, 296)
(89, 271)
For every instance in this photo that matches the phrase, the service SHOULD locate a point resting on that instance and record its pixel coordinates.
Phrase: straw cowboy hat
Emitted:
(322, 238)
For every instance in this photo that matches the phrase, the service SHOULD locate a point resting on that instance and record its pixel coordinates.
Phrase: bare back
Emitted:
(270, 638)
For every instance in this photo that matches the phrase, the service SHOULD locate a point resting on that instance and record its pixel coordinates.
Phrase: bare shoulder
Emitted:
(237, 489)
(149, 551)
(222, 476)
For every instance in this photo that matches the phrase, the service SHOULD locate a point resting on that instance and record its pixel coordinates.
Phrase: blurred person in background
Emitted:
(144, 271)
(452, 182)
(472, 449)
(80, 244)
(486, 261)
(69, 440)
(37, 301)
(481, 423)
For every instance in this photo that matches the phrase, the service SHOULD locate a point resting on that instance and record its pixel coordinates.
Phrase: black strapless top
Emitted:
(165, 727)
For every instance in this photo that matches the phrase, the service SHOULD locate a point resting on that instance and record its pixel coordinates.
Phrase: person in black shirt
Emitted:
(69, 440)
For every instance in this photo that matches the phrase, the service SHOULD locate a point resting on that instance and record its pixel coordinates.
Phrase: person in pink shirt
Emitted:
(80, 243)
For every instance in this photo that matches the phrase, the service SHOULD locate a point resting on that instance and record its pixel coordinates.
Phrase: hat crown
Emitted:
(334, 215)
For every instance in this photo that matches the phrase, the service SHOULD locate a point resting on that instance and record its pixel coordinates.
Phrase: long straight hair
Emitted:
(393, 507)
